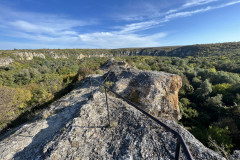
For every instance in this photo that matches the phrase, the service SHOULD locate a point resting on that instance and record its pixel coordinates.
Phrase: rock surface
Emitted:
(81, 56)
(5, 61)
(155, 92)
(75, 127)
(57, 56)
(29, 55)
(236, 154)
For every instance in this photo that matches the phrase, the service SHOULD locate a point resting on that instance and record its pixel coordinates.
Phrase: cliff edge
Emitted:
(74, 127)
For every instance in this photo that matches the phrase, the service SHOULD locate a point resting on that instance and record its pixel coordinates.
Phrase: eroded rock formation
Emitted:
(155, 92)
(29, 55)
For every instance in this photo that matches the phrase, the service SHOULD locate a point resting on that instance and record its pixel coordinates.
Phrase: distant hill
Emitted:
(177, 51)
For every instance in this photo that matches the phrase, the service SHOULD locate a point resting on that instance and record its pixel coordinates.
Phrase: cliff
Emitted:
(176, 51)
(28, 56)
(74, 127)
(5, 61)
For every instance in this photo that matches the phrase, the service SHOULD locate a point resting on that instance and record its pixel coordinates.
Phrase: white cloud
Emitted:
(191, 3)
(138, 26)
(28, 27)
(119, 40)
(186, 13)
(92, 40)
(140, 10)
(190, 13)
(155, 20)
(228, 4)
(38, 24)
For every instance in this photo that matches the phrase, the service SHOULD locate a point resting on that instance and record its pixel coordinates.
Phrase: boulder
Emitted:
(155, 92)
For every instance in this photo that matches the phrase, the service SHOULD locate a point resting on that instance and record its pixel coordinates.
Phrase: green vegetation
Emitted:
(209, 97)
(26, 86)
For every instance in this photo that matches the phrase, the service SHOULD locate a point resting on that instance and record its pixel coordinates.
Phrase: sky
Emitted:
(35, 24)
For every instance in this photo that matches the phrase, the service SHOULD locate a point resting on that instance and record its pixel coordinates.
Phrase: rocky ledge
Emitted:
(75, 126)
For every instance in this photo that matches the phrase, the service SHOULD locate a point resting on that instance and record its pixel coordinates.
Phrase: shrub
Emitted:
(130, 62)
(214, 101)
(204, 90)
(221, 136)
(83, 72)
(188, 112)
(222, 88)
(98, 72)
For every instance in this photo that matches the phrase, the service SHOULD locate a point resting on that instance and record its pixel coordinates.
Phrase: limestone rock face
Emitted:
(81, 56)
(75, 126)
(29, 55)
(58, 55)
(5, 61)
(155, 92)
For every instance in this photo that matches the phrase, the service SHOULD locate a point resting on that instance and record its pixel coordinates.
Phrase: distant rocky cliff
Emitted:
(74, 127)
(177, 51)
(6, 61)
(28, 56)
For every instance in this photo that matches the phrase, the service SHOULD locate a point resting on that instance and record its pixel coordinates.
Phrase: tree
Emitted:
(214, 101)
(221, 136)
(223, 88)
(204, 90)
(196, 82)
(238, 99)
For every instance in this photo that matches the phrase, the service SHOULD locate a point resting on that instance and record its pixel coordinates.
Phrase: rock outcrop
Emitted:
(75, 126)
(5, 61)
(58, 55)
(155, 92)
(81, 56)
(29, 55)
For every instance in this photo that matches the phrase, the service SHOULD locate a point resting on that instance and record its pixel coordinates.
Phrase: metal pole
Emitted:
(179, 137)
(91, 97)
(107, 106)
(177, 150)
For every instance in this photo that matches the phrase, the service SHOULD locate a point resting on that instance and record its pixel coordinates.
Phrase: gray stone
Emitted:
(236, 155)
(155, 92)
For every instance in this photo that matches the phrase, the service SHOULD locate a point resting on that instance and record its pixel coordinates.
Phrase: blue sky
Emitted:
(32, 24)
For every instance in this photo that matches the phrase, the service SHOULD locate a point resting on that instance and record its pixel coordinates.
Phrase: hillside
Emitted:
(209, 100)
(219, 51)
(75, 126)
(178, 51)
